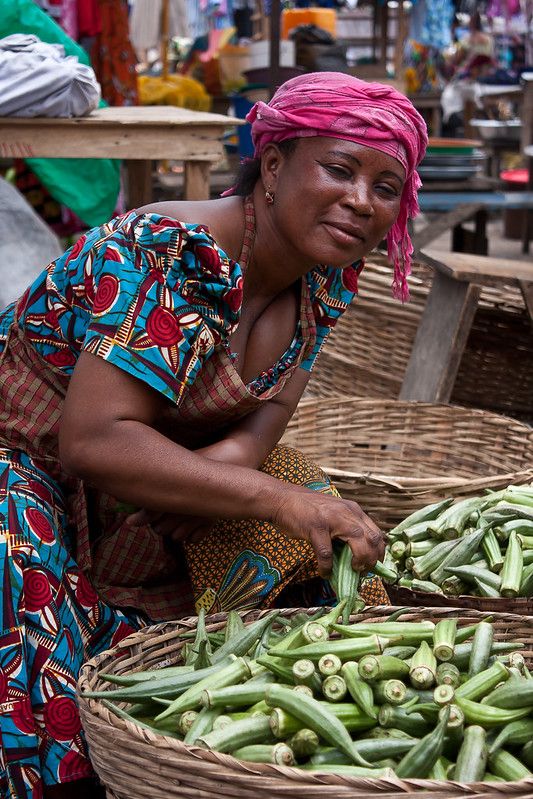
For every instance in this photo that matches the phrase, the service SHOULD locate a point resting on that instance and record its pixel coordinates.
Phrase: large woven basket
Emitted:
(136, 764)
(394, 457)
(521, 606)
(368, 350)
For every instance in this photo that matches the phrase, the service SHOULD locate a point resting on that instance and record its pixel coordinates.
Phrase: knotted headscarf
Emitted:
(372, 114)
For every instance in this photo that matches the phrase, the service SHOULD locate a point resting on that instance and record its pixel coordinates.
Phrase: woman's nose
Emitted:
(359, 198)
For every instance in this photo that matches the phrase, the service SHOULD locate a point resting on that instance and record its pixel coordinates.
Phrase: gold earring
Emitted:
(269, 197)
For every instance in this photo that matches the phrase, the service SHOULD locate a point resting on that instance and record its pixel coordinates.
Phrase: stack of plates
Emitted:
(452, 159)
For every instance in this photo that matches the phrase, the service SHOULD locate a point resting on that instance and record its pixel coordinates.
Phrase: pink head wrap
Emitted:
(343, 107)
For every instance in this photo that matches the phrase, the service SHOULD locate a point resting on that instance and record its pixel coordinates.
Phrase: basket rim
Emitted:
(388, 784)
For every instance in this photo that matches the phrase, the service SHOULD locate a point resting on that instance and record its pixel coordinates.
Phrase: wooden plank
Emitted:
(138, 183)
(527, 294)
(479, 269)
(440, 340)
(443, 223)
(138, 115)
(107, 141)
(196, 183)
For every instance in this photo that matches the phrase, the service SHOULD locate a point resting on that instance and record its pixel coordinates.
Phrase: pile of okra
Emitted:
(480, 546)
(411, 699)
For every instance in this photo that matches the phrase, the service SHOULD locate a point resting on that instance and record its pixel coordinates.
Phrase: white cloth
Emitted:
(145, 23)
(37, 79)
(26, 244)
(456, 93)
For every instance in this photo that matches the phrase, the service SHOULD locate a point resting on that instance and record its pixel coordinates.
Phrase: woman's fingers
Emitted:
(320, 540)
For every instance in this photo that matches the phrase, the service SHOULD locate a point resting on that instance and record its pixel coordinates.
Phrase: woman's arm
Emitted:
(250, 441)
(107, 438)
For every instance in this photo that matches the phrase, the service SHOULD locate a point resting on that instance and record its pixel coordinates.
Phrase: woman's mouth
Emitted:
(344, 235)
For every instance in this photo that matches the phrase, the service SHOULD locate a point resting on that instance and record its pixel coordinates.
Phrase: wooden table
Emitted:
(448, 315)
(137, 134)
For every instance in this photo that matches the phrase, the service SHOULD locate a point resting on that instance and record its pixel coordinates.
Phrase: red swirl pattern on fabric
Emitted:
(85, 593)
(163, 328)
(37, 591)
(40, 525)
(61, 718)
(106, 294)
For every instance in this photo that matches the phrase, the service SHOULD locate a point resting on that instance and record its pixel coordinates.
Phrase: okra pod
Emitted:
(304, 743)
(304, 672)
(165, 687)
(514, 694)
(443, 695)
(526, 754)
(242, 643)
(280, 754)
(429, 562)
(186, 720)
(461, 554)
(398, 550)
(136, 677)
(514, 733)
(511, 574)
(334, 688)
(417, 548)
(426, 514)
(409, 632)
(472, 757)
(423, 667)
(491, 548)
(419, 761)
(237, 695)
(329, 664)
(481, 648)
(202, 724)
(344, 579)
(470, 574)
(482, 683)
(504, 764)
(231, 674)
(390, 692)
(412, 723)
(463, 651)
(351, 771)
(315, 716)
(248, 731)
(488, 716)
(382, 667)
(359, 690)
(444, 639)
(346, 649)
(448, 674)
(123, 714)
(313, 631)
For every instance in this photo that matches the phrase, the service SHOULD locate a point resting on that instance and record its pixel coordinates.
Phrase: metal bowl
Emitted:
(490, 129)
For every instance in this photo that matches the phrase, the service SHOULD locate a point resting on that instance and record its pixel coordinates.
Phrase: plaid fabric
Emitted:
(75, 304)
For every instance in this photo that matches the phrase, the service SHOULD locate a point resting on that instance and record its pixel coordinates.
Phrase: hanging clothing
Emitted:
(145, 23)
(112, 55)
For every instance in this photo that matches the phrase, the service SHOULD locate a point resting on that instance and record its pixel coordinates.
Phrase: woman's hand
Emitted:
(176, 526)
(320, 518)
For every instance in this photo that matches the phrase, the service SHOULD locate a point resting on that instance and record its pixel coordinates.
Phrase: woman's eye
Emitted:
(390, 190)
(338, 171)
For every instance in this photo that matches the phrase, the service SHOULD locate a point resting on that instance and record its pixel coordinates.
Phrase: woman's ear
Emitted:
(271, 160)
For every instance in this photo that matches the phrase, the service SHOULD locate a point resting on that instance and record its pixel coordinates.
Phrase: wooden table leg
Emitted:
(196, 184)
(138, 183)
(440, 340)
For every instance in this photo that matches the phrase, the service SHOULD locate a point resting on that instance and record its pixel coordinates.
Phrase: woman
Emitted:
(155, 365)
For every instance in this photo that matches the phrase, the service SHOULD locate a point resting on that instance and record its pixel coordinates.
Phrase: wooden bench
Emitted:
(448, 314)
(455, 208)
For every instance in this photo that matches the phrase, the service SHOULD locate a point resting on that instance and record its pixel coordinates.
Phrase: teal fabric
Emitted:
(89, 187)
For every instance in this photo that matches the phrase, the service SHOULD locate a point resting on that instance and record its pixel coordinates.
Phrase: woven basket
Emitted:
(520, 606)
(368, 350)
(136, 764)
(395, 457)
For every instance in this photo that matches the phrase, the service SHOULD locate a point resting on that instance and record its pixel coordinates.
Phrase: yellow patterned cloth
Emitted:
(250, 563)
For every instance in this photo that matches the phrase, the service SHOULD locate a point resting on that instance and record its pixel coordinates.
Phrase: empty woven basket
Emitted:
(367, 352)
(394, 457)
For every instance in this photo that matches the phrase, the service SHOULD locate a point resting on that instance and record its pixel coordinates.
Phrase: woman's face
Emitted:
(335, 200)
